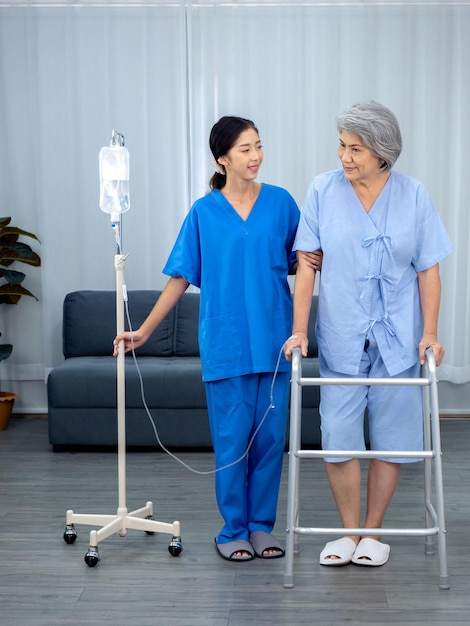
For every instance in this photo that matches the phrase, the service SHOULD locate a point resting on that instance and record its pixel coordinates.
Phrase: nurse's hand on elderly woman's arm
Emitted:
(314, 261)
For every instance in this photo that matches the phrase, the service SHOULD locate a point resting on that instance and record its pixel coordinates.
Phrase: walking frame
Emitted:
(434, 516)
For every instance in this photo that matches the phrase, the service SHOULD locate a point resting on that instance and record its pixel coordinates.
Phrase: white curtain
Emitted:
(162, 73)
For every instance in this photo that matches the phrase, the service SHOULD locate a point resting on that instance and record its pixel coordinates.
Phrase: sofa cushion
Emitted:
(89, 323)
(91, 382)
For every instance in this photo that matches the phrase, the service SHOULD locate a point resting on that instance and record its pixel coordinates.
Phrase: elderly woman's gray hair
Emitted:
(378, 128)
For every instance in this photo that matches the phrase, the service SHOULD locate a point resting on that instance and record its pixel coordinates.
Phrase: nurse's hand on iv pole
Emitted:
(297, 340)
(429, 340)
(131, 340)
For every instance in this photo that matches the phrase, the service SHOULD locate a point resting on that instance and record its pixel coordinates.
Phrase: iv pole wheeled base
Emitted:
(140, 519)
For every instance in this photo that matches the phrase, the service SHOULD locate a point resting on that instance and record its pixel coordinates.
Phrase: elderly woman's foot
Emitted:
(371, 553)
(339, 552)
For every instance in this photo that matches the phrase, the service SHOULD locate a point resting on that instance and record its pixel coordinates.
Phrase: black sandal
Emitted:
(228, 551)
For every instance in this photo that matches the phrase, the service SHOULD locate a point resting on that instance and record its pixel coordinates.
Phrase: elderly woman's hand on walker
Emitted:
(297, 340)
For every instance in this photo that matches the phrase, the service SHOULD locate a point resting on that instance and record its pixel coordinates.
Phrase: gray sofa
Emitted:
(82, 389)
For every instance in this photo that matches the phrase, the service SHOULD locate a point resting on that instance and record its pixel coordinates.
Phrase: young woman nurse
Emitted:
(236, 246)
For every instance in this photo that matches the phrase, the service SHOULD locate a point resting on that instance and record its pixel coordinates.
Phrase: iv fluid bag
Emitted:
(114, 179)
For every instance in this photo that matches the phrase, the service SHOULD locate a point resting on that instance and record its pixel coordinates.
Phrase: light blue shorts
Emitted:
(395, 414)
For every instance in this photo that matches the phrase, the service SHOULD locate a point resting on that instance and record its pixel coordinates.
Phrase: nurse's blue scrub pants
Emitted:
(395, 414)
(247, 492)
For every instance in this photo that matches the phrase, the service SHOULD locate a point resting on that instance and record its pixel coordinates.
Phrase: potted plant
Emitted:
(11, 291)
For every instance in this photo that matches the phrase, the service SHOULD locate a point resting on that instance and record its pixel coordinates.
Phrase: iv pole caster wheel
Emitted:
(70, 534)
(149, 532)
(176, 547)
(92, 558)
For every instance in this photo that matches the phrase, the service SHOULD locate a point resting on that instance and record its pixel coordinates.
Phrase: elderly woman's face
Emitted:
(358, 161)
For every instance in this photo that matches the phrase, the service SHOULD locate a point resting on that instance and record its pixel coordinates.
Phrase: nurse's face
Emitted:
(244, 159)
(359, 163)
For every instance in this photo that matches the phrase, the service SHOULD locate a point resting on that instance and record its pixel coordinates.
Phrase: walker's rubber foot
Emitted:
(444, 582)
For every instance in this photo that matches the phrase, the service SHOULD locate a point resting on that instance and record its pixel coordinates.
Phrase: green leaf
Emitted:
(10, 294)
(13, 230)
(12, 276)
(5, 351)
(16, 251)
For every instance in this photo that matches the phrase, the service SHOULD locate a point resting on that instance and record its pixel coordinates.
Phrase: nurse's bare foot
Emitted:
(265, 545)
(238, 550)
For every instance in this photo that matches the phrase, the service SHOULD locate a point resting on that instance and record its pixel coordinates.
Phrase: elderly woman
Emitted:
(382, 242)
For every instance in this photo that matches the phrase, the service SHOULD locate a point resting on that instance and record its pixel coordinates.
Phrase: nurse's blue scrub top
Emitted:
(241, 268)
(370, 264)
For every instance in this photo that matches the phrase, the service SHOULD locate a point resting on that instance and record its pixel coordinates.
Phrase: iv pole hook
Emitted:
(116, 139)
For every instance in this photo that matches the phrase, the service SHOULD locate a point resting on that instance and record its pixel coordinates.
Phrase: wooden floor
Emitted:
(45, 582)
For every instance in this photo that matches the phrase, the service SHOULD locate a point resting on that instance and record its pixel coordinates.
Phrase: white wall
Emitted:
(161, 73)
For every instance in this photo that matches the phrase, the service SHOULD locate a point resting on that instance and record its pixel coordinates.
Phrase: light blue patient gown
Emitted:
(241, 268)
(369, 286)
(370, 264)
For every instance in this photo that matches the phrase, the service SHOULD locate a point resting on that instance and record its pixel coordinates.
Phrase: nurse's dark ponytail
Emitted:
(217, 181)
(223, 137)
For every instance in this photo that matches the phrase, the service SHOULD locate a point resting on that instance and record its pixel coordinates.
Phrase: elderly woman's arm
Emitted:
(429, 285)
(303, 291)
(314, 260)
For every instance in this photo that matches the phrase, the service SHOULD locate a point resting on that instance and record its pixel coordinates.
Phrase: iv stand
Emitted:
(140, 519)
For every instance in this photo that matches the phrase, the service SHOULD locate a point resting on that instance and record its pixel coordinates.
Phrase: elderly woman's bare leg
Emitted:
(381, 484)
(345, 482)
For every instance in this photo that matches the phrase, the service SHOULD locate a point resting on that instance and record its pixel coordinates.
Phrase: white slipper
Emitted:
(371, 553)
(342, 548)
